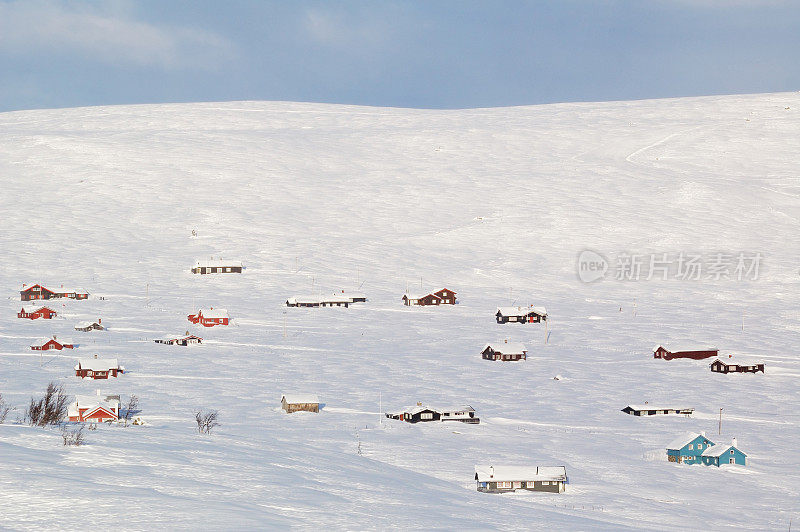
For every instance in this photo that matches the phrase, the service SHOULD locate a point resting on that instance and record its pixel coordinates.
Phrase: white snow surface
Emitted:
(706, 175)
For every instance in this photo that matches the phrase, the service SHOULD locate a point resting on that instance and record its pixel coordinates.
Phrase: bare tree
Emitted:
(50, 409)
(4, 409)
(72, 437)
(131, 408)
(206, 421)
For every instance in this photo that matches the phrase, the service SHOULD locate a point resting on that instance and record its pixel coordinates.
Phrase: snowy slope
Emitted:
(495, 204)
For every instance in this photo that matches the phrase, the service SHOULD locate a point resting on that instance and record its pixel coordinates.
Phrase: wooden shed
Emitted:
(300, 402)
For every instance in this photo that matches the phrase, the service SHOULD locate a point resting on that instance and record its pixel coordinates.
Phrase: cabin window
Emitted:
(691, 447)
(731, 451)
(426, 415)
(546, 483)
(732, 461)
(506, 484)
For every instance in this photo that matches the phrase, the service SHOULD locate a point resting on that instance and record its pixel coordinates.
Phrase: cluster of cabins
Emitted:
(86, 408)
(689, 449)
(700, 353)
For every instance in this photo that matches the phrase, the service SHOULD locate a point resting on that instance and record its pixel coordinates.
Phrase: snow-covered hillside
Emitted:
(496, 204)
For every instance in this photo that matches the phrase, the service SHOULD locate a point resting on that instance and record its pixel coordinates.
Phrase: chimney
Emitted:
(734, 442)
(99, 321)
(491, 471)
(95, 356)
(505, 341)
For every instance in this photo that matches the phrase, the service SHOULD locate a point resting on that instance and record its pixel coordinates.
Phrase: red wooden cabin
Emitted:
(46, 344)
(94, 408)
(210, 318)
(41, 312)
(693, 352)
(38, 291)
(98, 368)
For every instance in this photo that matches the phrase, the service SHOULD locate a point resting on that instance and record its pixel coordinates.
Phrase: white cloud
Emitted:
(105, 32)
(335, 28)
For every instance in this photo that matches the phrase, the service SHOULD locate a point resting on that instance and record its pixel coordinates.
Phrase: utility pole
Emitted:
(546, 335)
(720, 422)
(284, 324)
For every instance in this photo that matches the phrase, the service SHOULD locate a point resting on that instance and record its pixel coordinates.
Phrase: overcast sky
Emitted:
(432, 54)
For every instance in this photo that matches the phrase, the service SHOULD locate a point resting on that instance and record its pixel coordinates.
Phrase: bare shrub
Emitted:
(131, 408)
(72, 437)
(50, 409)
(206, 421)
(4, 409)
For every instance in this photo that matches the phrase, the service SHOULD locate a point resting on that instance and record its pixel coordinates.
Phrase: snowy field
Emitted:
(495, 204)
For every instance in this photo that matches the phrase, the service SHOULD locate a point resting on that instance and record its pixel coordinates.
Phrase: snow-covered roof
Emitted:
(85, 324)
(511, 348)
(317, 300)
(37, 309)
(681, 347)
(720, 449)
(685, 439)
(657, 407)
(413, 295)
(214, 313)
(521, 311)
(736, 361)
(57, 290)
(98, 364)
(351, 295)
(42, 341)
(179, 336)
(510, 473)
(217, 263)
(88, 401)
(300, 398)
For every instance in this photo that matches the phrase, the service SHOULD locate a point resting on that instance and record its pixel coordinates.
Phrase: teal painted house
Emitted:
(721, 454)
(689, 448)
